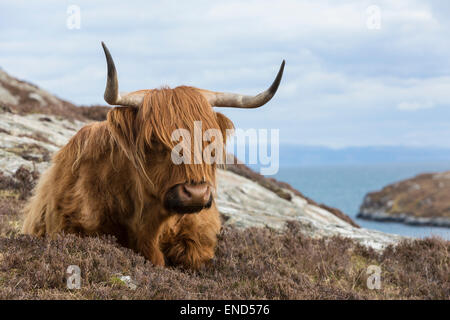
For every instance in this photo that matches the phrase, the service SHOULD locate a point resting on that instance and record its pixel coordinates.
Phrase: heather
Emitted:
(255, 263)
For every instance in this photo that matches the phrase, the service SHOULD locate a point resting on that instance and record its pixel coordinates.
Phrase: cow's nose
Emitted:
(194, 194)
(188, 198)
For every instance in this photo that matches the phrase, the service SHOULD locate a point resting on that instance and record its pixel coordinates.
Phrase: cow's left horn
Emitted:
(112, 95)
(234, 100)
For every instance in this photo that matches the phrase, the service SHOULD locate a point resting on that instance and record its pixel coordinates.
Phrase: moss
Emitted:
(8, 193)
(116, 281)
(359, 262)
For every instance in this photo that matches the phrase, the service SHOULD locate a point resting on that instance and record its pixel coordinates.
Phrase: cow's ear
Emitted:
(122, 125)
(225, 124)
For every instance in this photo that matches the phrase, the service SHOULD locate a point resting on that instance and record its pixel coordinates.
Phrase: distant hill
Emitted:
(298, 155)
(421, 200)
(292, 155)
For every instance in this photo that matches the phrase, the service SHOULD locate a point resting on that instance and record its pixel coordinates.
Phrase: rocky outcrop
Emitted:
(21, 97)
(31, 139)
(245, 203)
(282, 189)
(244, 198)
(422, 200)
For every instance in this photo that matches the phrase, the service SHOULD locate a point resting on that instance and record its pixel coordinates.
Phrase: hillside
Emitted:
(275, 243)
(421, 200)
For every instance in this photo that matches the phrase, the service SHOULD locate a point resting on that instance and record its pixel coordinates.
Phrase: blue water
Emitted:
(344, 187)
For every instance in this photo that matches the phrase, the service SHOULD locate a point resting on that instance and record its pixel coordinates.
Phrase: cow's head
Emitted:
(144, 125)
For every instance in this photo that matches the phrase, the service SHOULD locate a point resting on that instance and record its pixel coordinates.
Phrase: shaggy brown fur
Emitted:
(112, 176)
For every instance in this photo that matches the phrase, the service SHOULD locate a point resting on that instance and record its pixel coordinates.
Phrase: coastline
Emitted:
(382, 216)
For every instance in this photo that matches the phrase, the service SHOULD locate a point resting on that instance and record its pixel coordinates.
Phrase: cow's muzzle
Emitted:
(188, 198)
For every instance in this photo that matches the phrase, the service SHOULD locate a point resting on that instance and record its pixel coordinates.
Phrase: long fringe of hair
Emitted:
(134, 130)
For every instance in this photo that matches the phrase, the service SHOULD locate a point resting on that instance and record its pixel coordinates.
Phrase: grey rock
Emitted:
(247, 204)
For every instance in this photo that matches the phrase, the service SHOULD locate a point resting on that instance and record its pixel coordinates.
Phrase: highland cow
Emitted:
(116, 177)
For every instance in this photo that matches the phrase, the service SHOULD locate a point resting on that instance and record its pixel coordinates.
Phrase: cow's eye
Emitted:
(157, 147)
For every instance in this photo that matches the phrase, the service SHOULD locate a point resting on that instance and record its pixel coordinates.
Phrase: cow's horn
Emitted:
(112, 95)
(234, 100)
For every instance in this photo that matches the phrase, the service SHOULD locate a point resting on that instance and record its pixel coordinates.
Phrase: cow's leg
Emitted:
(147, 241)
(151, 251)
(34, 220)
(191, 241)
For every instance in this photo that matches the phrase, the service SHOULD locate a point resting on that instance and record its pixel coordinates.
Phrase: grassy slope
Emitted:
(256, 263)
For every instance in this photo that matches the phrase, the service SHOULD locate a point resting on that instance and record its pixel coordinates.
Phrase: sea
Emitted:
(344, 187)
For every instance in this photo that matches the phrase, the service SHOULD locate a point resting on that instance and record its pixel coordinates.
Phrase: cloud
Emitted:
(344, 84)
(412, 106)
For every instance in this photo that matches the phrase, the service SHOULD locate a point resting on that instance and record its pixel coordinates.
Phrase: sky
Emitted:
(358, 73)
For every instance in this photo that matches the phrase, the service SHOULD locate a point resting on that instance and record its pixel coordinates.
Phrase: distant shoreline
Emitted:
(382, 216)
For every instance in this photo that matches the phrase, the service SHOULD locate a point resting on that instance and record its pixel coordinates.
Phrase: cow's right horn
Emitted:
(235, 100)
(112, 95)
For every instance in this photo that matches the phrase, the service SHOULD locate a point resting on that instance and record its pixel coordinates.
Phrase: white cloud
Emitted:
(338, 72)
(412, 106)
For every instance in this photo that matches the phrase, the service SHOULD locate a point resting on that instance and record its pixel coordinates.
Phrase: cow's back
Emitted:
(59, 199)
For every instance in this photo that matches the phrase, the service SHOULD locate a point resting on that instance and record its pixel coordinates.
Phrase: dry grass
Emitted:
(30, 151)
(252, 264)
(38, 137)
(96, 113)
(19, 185)
(27, 103)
